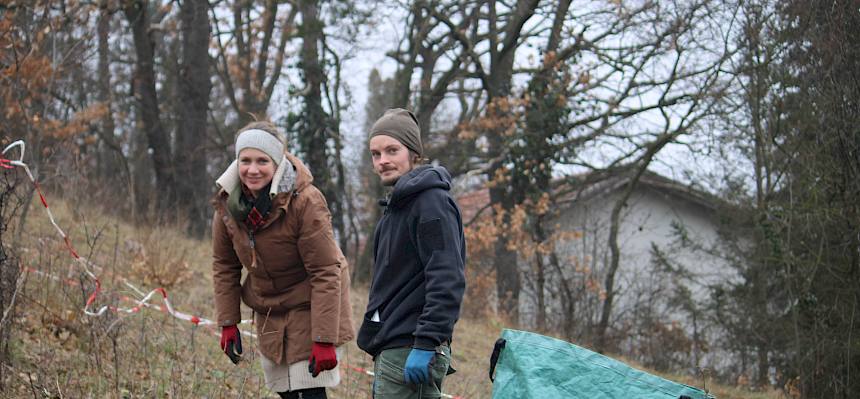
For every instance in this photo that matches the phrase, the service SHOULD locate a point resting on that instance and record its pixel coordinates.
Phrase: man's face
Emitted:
(391, 159)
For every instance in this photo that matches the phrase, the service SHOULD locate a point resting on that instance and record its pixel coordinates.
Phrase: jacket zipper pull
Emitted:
(253, 251)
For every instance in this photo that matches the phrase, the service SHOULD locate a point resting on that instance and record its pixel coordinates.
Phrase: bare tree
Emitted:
(141, 16)
(251, 53)
(497, 30)
(194, 89)
(11, 202)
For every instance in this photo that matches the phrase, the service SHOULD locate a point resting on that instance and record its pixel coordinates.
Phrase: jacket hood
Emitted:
(417, 180)
(288, 180)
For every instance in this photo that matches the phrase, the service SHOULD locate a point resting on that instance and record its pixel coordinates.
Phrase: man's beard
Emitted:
(390, 182)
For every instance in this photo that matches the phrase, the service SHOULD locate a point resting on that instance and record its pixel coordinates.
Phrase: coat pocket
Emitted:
(278, 301)
(367, 335)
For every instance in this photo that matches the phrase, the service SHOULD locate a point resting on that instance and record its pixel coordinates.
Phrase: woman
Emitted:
(272, 221)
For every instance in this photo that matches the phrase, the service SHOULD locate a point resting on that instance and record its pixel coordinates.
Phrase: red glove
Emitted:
(231, 342)
(322, 358)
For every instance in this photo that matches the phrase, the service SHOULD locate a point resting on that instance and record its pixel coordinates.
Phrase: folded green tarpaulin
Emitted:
(539, 367)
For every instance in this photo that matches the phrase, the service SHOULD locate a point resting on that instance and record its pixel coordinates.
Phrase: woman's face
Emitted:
(256, 169)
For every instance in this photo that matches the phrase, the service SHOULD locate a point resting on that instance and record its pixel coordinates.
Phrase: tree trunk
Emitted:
(194, 89)
(379, 99)
(115, 160)
(615, 223)
(10, 269)
(505, 261)
(541, 290)
(144, 81)
(763, 366)
(499, 88)
(314, 135)
(107, 168)
(609, 283)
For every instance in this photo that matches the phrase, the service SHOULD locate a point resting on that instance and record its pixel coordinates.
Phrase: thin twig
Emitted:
(18, 284)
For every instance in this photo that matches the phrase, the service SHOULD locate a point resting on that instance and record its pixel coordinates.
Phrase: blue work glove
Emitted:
(417, 369)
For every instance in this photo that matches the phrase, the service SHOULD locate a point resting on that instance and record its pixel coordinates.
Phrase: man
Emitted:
(418, 275)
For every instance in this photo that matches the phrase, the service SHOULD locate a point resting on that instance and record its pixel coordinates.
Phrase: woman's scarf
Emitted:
(249, 210)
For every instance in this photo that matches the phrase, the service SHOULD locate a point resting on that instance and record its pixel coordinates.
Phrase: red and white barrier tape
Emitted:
(203, 322)
(143, 303)
(86, 265)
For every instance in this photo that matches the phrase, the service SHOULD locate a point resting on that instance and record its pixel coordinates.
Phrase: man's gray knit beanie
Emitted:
(402, 125)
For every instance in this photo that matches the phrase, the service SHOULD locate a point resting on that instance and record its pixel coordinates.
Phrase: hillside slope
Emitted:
(128, 352)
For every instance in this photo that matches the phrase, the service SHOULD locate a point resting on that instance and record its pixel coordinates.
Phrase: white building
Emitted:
(666, 233)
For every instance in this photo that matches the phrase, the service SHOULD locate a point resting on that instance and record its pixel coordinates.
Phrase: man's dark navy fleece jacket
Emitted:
(419, 261)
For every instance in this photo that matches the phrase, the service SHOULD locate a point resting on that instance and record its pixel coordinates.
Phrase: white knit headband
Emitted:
(261, 140)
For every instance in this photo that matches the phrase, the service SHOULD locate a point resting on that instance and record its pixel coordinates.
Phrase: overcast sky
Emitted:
(383, 34)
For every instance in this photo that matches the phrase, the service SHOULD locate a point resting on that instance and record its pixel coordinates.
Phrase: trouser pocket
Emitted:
(388, 383)
(439, 369)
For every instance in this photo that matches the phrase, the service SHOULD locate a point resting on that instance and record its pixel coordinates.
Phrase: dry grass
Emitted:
(58, 352)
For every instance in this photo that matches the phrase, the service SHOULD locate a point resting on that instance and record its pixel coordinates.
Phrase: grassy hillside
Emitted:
(58, 351)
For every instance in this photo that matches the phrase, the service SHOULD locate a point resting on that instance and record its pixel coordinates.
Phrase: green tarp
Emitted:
(539, 367)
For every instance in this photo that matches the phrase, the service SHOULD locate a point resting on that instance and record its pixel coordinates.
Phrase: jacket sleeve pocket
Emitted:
(430, 234)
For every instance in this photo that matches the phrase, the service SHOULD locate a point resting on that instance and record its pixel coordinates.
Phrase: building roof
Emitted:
(588, 186)
(581, 189)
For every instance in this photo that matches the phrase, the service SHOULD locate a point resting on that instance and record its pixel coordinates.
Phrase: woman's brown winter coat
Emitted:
(299, 285)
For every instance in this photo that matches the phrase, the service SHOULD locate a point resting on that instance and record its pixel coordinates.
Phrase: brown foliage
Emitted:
(28, 76)
(157, 260)
(480, 275)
